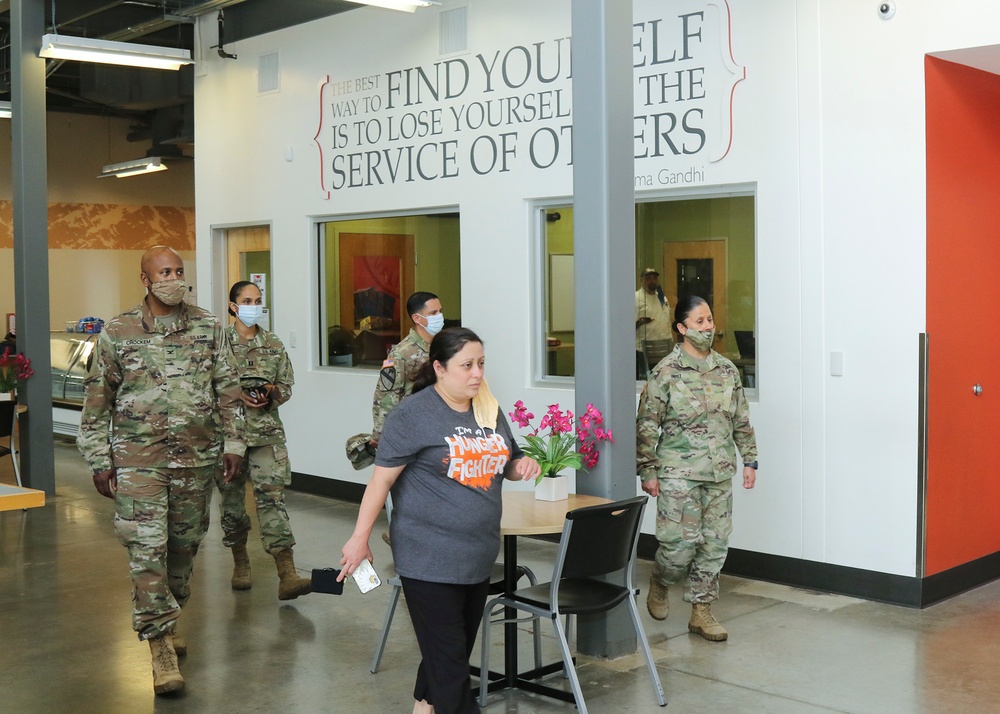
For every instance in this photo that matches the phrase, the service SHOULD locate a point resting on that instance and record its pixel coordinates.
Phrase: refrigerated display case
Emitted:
(72, 353)
(71, 356)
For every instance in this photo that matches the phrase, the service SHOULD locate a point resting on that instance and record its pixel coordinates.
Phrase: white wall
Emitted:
(828, 125)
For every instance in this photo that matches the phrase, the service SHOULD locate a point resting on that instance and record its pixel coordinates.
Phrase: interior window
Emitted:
(701, 246)
(368, 269)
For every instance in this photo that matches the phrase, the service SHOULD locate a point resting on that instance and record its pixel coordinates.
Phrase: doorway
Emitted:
(963, 261)
(698, 267)
(376, 279)
(248, 257)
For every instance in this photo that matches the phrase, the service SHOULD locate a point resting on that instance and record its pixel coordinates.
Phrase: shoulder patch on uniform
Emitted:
(387, 377)
(389, 363)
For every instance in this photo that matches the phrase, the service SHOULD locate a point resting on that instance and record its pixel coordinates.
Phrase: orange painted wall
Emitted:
(963, 314)
(101, 226)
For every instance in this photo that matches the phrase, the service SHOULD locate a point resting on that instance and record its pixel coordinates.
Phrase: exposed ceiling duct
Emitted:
(158, 104)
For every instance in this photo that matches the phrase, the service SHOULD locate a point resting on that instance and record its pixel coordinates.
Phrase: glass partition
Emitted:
(368, 269)
(701, 246)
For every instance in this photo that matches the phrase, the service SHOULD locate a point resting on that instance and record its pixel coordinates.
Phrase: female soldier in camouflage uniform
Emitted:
(266, 378)
(692, 418)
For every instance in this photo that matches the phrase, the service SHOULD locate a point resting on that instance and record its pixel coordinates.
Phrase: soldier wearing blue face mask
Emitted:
(266, 379)
(405, 359)
(403, 363)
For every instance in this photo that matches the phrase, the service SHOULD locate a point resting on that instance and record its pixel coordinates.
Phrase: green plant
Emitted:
(559, 442)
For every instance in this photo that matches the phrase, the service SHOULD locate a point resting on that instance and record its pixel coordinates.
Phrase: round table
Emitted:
(523, 514)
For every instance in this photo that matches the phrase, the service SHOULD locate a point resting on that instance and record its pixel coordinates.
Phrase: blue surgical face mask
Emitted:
(249, 314)
(434, 323)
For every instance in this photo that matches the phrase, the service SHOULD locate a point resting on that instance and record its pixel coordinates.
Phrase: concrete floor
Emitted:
(66, 643)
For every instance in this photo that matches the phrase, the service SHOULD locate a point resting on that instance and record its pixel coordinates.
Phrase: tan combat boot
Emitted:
(180, 644)
(656, 600)
(166, 677)
(241, 567)
(703, 623)
(290, 585)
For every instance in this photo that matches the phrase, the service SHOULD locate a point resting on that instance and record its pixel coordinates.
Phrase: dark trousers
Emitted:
(446, 619)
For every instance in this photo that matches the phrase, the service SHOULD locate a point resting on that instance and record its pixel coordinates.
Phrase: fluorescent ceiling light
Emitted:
(135, 167)
(404, 5)
(85, 49)
(4, 110)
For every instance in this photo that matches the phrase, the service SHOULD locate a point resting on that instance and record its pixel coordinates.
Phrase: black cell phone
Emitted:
(324, 580)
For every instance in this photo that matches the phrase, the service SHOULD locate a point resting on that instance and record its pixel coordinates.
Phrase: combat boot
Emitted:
(703, 623)
(656, 600)
(166, 676)
(241, 567)
(290, 585)
(180, 644)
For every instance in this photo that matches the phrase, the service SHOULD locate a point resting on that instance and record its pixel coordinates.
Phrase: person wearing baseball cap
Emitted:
(653, 338)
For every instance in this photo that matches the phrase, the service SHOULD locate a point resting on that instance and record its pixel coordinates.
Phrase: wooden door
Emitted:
(694, 259)
(376, 278)
(241, 242)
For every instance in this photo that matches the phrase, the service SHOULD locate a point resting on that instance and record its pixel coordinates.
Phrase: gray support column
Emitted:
(31, 239)
(604, 247)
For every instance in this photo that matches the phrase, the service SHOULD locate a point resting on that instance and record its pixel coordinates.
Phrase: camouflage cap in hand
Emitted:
(359, 451)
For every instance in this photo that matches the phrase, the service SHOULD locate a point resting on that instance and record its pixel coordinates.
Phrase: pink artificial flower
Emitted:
(581, 435)
(521, 416)
(595, 414)
(566, 422)
(23, 367)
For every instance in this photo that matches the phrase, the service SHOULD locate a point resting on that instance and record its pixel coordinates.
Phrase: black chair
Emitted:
(496, 586)
(342, 347)
(8, 412)
(593, 574)
(746, 343)
(653, 351)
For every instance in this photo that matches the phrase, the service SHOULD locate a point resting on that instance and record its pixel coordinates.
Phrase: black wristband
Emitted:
(750, 464)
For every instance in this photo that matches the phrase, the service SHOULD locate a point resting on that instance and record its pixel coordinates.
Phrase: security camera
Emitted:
(886, 9)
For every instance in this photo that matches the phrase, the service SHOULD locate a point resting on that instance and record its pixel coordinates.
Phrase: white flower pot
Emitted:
(552, 488)
(6, 396)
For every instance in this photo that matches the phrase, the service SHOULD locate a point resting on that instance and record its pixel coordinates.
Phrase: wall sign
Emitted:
(509, 108)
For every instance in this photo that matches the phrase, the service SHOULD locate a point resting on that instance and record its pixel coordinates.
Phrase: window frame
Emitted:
(318, 251)
(540, 281)
(539, 295)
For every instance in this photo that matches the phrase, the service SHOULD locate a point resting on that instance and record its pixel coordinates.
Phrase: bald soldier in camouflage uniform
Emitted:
(161, 393)
(405, 359)
(692, 418)
(266, 377)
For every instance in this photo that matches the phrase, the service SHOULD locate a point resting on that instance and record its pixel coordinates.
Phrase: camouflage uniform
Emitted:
(692, 418)
(159, 400)
(266, 461)
(395, 380)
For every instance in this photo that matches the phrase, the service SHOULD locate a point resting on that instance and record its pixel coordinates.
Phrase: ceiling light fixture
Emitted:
(5, 110)
(403, 5)
(134, 167)
(86, 49)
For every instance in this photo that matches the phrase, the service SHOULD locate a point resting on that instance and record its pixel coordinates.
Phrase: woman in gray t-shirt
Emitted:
(443, 453)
